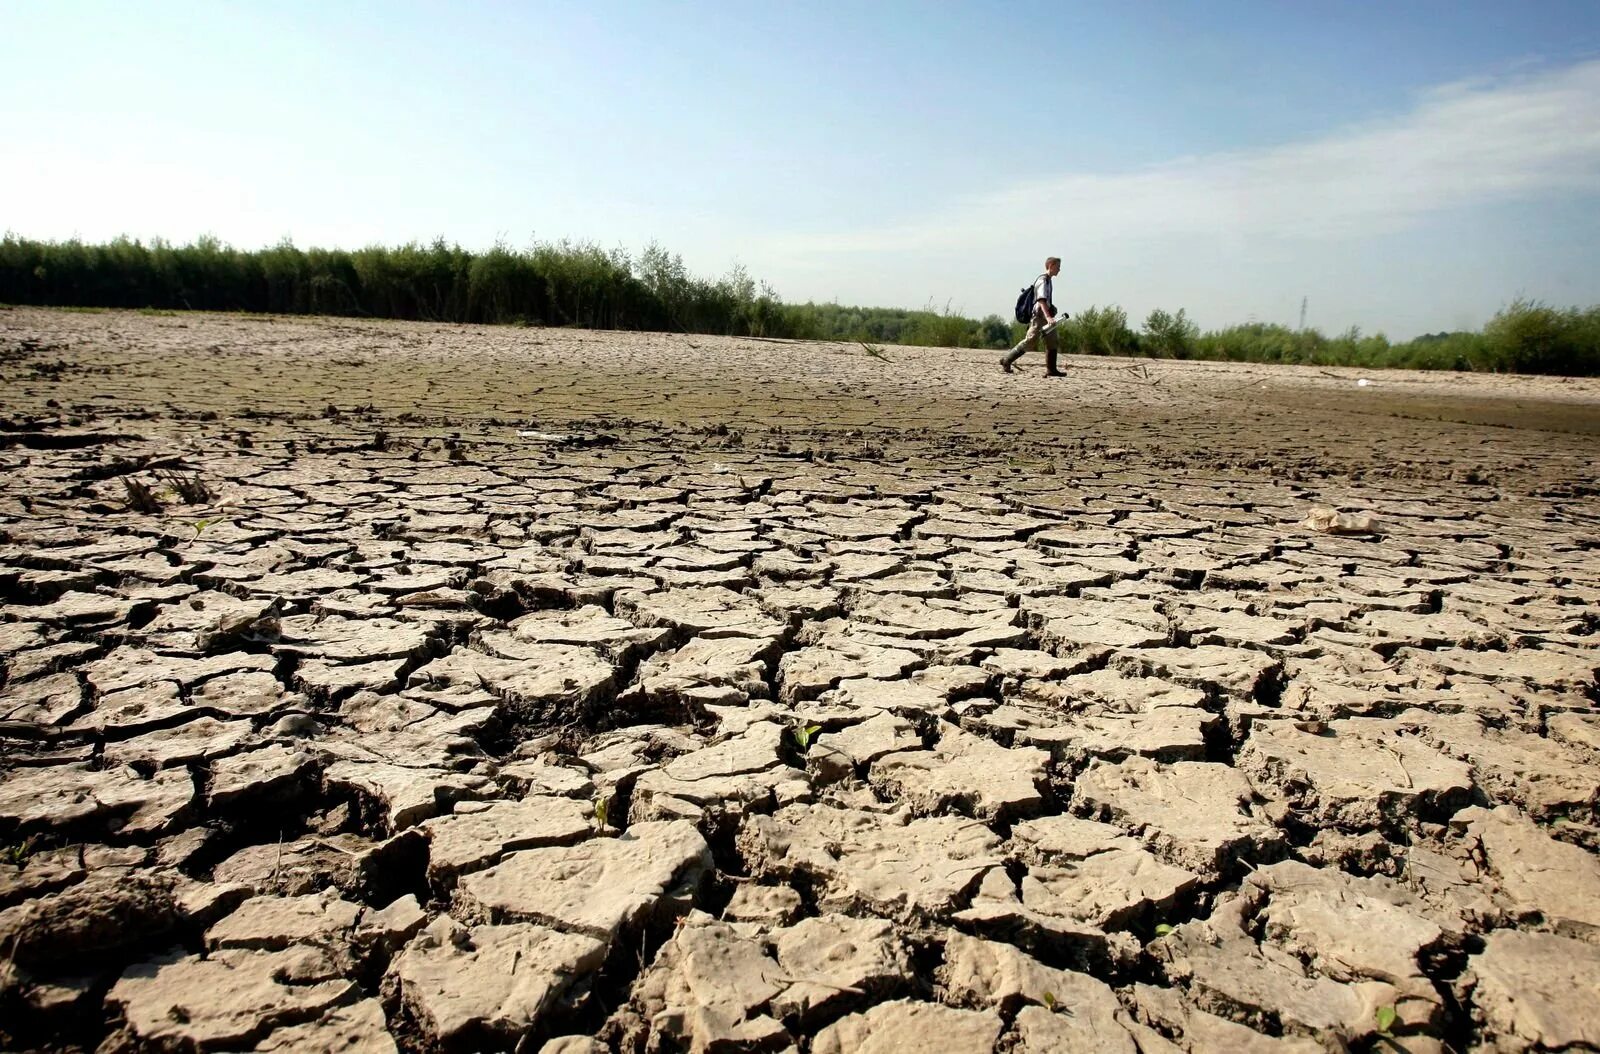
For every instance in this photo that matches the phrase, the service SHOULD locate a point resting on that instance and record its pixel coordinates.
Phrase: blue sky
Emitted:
(1406, 167)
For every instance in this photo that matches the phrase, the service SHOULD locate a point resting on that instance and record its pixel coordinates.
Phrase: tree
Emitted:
(1169, 336)
(995, 332)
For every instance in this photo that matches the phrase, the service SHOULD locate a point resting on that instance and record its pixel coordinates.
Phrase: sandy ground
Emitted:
(499, 688)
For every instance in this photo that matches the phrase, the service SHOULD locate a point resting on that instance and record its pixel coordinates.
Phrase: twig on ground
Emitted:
(328, 845)
(824, 984)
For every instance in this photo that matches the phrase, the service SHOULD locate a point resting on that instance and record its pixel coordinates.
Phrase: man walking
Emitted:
(1044, 313)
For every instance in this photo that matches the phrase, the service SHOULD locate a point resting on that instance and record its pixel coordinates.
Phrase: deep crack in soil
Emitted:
(483, 688)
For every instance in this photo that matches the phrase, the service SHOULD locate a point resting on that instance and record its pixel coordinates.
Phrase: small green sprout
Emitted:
(200, 525)
(804, 734)
(1386, 1017)
(1163, 928)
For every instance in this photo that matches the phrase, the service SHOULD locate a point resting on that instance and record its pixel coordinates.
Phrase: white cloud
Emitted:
(1461, 145)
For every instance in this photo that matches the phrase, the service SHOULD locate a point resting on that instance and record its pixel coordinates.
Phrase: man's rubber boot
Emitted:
(1009, 357)
(1050, 364)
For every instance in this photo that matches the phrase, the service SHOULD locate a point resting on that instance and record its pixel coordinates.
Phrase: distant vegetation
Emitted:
(579, 284)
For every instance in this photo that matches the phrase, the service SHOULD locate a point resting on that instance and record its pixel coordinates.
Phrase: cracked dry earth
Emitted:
(960, 713)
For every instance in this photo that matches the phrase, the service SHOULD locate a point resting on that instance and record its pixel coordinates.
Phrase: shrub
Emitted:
(1099, 331)
(1530, 337)
(1169, 336)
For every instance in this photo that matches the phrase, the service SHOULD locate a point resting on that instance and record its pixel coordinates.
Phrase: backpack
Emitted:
(1025, 301)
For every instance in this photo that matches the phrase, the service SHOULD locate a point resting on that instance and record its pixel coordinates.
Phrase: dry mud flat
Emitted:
(961, 713)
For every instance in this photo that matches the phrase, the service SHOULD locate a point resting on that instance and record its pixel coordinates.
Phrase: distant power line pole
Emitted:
(1303, 313)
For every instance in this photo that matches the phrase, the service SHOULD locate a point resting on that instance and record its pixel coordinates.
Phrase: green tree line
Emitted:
(559, 284)
(579, 284)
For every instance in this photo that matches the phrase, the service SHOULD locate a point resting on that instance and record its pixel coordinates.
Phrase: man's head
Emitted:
(1052, 265)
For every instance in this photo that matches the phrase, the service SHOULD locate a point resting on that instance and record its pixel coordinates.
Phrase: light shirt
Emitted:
(1042, 290)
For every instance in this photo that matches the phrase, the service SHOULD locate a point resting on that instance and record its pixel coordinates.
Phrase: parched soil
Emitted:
(373, 686)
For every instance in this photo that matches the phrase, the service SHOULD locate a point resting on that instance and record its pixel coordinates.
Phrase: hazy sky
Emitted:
(1407, 167)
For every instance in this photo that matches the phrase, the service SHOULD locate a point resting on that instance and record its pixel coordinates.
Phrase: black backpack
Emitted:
(1025, 301)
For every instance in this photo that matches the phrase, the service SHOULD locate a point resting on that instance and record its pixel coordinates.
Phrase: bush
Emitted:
(1530, 337)
(996, 333)
(1169, 336)
(1098, 331)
